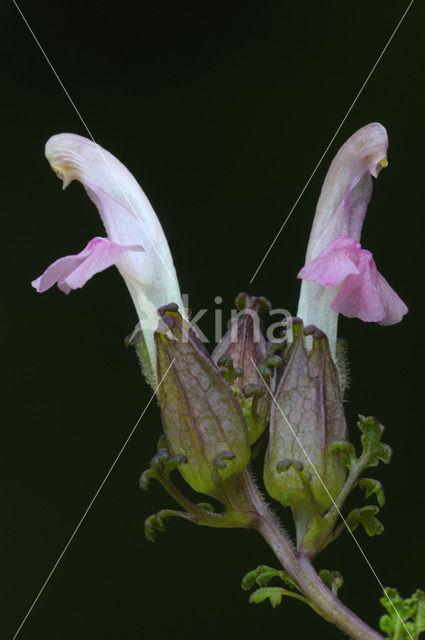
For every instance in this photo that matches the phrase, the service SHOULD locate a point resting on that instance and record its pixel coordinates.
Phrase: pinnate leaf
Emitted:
(262, 576)
(274, 594)
(366, 517)
(405, 619)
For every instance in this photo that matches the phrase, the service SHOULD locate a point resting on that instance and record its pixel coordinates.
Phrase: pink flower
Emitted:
(340, 276)
(135, 241)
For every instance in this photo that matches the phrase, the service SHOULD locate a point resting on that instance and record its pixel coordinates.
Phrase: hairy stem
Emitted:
(304, 575)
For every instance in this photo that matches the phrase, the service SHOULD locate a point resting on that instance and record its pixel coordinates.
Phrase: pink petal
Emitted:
(347, 188)
(368, 296)
(72, 272)
(337, 261)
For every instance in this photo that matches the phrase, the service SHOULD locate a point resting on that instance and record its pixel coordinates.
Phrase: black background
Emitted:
(222, 111)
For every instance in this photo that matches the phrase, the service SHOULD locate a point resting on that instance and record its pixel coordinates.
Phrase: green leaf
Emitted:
(347, 453)
(366, 517)
(332, 579)
(372, 486)
(420, 612)
(152, 525)
(373, 452)
(265, 577)
(262, 576)
(274, 594)
(386, 624)
(249, 579)
(156, 522)
(405, 619)
(373, 449)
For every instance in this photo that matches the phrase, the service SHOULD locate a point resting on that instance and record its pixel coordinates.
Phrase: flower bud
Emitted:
(245, 344)
(201, 416)
(307, 417)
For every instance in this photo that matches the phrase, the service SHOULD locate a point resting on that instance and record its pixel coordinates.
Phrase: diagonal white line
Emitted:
(330, 497)
(90, 504)
(332, 139)
(99, 148)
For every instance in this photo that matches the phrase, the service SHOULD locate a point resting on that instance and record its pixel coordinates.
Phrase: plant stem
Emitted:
(304, 575)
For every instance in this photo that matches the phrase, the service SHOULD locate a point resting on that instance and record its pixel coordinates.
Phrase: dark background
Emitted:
(222, 111)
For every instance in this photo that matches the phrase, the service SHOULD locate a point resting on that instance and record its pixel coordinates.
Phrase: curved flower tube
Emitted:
(340, 276)
(135, 241)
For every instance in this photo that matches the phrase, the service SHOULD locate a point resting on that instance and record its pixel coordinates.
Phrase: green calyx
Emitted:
(310, 465)
(200, 413)
(301, 470)
(317, 528)
(306, 418)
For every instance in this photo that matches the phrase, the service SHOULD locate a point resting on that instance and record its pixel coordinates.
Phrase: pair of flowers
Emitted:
(339, 276)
